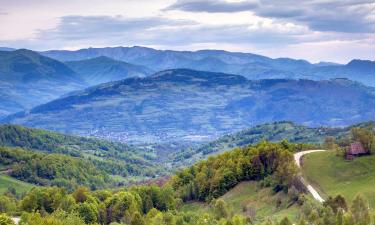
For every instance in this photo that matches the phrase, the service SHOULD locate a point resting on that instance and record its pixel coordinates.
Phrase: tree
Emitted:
(88, 212)
(137, 219)
(285, 221)
(5, 220)
(221, 209)
(365, 137)
(336, 203)
(361, 210)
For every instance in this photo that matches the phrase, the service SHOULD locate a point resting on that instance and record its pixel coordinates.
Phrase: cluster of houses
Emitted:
(356, 149)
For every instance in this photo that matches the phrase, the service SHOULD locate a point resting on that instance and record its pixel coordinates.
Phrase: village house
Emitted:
(355, 149)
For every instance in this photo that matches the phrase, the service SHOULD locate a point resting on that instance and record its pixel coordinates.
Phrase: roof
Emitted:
(356, 148)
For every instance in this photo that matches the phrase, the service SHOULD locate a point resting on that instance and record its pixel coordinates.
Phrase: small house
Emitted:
(355, 149)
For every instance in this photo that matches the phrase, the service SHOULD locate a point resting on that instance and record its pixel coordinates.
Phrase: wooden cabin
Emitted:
(355, 149)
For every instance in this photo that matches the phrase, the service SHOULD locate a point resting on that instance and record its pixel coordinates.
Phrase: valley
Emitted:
(187, 112)
(178, 104)
(143, 136)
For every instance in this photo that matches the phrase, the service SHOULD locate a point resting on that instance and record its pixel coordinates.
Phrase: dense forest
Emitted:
(75, 190)
(270, 163)
(52, 169)
(205, 181)
(113, 157)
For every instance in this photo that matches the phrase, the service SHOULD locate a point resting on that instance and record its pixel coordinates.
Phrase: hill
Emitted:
(28, 79)
(52, 169)
(187, 104)
(195, 105)
(333, 175)
(260, 203)
(249, 65)
(273, 132)
(113, 158)
(103, 69)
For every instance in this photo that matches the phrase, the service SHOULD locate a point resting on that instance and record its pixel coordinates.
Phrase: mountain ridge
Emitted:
(250, 65)
(213, 104)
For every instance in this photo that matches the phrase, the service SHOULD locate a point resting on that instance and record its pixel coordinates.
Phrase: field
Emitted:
(333, 175)
(6, 182)
(262, 201)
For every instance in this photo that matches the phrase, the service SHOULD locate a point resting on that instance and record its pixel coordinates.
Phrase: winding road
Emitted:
(297, 158)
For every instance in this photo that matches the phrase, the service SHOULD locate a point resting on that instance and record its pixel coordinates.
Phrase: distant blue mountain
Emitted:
(28, 79)
(6, 49)
(186, 104)
(251, 66)
(103, 69)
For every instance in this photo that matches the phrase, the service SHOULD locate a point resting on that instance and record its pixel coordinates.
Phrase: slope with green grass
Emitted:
(7, 182)
(333, 175)
(258, 201)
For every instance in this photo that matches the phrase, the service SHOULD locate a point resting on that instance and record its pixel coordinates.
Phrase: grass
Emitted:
(262, 201)
(332, 175)
(20, 186)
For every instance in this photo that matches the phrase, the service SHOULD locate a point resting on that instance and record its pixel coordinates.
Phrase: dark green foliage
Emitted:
(113, 157)
(303, 136)
(52, 169)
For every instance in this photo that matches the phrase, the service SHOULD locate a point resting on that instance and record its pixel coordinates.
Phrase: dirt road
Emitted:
(311, 189)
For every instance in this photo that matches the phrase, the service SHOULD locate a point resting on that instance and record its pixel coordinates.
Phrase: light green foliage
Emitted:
(214, 177)
(56, 218)
(5, 220)
(7, 182)
(7, 204)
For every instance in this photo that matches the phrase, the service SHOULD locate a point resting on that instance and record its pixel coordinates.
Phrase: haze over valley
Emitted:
(187, 112)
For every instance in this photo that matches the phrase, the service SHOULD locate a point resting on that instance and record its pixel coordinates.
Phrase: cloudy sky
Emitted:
(316, 30)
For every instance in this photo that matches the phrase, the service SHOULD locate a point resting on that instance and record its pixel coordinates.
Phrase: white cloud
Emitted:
(314, 30)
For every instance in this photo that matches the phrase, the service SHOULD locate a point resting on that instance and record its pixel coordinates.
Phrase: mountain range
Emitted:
(194, 105)
(103, 69)
(28, 79)
(251, 66)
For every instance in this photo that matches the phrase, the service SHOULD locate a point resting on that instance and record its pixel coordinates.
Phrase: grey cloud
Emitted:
(212, 6)
(104, 30)
(86, 27)
(349, 16)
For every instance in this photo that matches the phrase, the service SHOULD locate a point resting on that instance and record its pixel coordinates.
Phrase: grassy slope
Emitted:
(20, 186)
(249, 194)
(333, 175)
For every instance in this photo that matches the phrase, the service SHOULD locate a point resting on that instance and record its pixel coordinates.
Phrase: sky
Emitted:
(315, 30)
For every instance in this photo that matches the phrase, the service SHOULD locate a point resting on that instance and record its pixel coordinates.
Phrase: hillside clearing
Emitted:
(333, 175)
(262, 201)
(20, 186)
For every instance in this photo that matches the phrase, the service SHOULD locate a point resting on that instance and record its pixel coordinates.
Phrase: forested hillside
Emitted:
(270, 163)
(52, 169)
(110, 158)
(303, 136)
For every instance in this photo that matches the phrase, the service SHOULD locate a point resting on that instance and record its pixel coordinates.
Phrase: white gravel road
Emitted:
(16, 220)
(297, 158)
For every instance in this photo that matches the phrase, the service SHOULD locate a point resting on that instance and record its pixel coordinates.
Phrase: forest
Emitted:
(74, 191)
